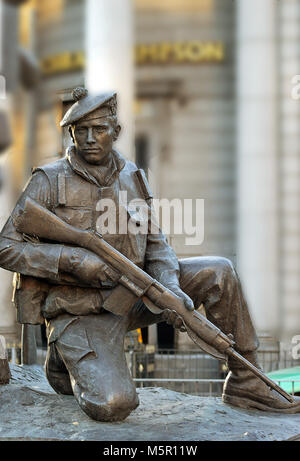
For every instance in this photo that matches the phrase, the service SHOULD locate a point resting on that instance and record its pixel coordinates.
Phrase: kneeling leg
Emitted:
(92, 348)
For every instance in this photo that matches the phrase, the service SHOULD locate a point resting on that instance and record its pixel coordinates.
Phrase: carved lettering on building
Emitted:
(63, 62)
(192, 52)
(179, 52)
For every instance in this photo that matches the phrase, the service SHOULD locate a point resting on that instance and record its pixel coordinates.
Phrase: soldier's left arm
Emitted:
(160, 259)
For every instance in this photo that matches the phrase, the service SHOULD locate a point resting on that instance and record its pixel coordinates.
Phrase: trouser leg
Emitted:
(92, 349)
(214, 282)
(88, 358)
(56, 372)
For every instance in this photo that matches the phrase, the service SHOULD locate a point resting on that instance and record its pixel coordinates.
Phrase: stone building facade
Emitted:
(195, 119)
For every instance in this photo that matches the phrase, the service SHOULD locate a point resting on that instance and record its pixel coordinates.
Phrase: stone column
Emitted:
(7, 309)
(257, 131)
(109, 59)
(289, 15)
(9, 76)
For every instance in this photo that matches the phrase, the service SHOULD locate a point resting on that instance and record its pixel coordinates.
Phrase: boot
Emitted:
(245, 390)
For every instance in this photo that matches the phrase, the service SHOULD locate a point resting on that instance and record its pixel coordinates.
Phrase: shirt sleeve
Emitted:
(17, 252)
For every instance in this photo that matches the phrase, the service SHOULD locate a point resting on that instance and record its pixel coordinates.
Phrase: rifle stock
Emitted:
(37, 221)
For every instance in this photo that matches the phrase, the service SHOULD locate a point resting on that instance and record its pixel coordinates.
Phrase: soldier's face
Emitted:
(94, 139)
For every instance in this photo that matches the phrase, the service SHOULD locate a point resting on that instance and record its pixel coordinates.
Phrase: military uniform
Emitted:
(85, 342)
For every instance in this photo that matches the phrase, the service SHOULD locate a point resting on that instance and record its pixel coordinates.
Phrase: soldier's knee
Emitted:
(225, 274)
(119, 407)
(226, 267)
(115, 408)
(219, 267)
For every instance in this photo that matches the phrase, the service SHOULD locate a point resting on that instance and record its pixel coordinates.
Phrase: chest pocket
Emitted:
(74, 201)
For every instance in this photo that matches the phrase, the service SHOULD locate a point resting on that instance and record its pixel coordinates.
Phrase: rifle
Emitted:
(39, 222)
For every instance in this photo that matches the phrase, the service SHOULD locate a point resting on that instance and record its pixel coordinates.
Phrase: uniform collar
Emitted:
(102, 176)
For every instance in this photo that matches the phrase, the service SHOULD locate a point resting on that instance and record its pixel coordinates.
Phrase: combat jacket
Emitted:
(71, 191)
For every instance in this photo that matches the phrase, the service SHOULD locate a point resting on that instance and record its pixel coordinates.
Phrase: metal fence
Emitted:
(214, 386)
(202, 387)
(193, 372)
(271, 360)
(178, 370)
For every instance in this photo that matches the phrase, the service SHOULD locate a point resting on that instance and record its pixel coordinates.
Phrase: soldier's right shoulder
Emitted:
(53, 168)
(44, 180)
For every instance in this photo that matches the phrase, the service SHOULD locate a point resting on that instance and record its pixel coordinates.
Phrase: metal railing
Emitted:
(271, 360)
(169, 384)
(185, 385)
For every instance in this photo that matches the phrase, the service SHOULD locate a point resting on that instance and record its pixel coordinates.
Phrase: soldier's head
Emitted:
(93, 125)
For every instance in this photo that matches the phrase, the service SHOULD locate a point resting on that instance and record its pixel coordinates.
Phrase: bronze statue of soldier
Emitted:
(67, 286)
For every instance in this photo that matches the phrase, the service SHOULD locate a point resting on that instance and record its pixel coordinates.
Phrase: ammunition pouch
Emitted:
(29, 295)
(36, 300)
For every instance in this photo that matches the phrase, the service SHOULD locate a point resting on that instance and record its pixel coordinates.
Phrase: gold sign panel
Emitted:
(181, 6)
(63, 62)
(192, 52)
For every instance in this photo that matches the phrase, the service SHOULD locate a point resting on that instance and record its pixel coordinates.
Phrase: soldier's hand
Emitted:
(183, 296)
(172, 318)
(85, 266)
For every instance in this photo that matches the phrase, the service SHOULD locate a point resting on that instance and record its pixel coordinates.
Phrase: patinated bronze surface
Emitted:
(133, 283)
(67, 286)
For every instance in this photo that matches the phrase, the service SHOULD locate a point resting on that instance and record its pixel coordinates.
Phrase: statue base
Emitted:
(163, 415)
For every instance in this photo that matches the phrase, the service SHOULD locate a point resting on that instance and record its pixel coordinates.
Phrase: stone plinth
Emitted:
(30, 410)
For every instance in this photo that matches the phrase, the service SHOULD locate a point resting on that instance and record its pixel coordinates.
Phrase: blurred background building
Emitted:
(206, 109)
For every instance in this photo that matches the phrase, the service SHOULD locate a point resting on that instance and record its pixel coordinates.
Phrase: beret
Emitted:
(85, 104)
